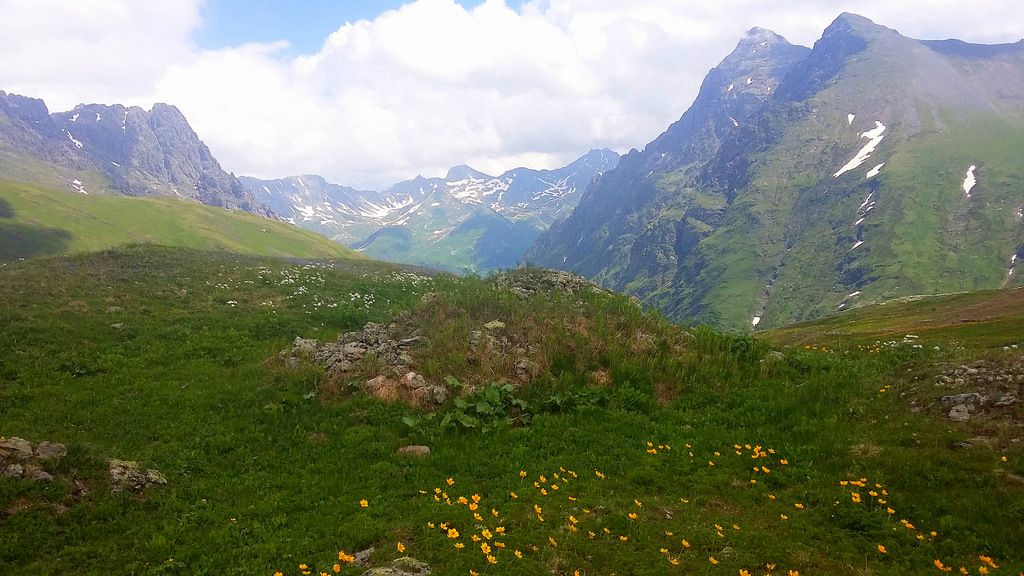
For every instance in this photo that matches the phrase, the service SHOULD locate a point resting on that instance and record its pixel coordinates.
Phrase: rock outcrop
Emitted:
(19, 458)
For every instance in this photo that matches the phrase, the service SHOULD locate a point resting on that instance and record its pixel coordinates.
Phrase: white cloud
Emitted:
(96, 51)
(431, 84)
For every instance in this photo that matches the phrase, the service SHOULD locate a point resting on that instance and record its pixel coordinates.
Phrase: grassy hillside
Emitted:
(37, 221)
(636, 447)
(985, 320)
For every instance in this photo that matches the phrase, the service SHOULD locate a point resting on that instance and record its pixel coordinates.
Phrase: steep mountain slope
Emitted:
(466, 221)
(37, 221)
(878, 166)
(129, 151)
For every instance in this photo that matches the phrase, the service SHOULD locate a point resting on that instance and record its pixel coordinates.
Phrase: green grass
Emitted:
(267, 465)
(37, 221)
(983, 320)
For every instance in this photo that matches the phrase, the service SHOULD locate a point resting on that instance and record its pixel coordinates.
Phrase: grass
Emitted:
(983, 320)
(267, 466)
(36, 221)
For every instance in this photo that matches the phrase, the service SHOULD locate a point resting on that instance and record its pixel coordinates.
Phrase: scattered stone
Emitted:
(960, 413)
(117, 325)
(776, 355)
(128, 476)
(416, 451)
(13, 471)
(341, 356)
(1006, 400)
(429, 396)
(405, 566)
(47, 451)
(37, 474)
(495, 325)
(412, 381)
(304, 347)
(362, 558)
(353, 351)
(113, 309)
(16, 448)
(959, 399)
(411, 342)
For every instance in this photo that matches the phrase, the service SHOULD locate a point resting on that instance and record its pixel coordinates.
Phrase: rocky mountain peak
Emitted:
(23, 108)
(463, 172)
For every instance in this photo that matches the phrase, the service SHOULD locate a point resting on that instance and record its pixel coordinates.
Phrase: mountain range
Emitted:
(801, 182)
(804, 181)
(467, 221)
(114, 149)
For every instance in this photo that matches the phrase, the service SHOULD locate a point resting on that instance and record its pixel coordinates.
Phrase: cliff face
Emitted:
(137, 152)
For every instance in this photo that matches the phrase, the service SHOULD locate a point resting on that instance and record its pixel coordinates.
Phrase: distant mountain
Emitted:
(466, 221)
(802, 182)
(114, 149)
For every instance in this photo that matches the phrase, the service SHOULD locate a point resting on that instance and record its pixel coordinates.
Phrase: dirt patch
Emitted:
(664, 393)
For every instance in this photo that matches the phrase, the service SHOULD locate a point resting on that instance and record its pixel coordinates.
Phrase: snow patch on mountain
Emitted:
(970, 180)
(874, 137)
(874, 171)
(75, 142)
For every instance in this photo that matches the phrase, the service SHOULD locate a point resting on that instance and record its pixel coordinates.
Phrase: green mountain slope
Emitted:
(845, 186)
(37, 221)
(444, 233)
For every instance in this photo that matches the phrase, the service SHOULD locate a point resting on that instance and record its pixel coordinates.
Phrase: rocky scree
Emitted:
(985, 387)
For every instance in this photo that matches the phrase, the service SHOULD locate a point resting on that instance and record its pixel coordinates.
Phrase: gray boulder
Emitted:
(16, 448)
(12, 471)
(128, 476)
(50, 451)
(960, 399)
(960, 413)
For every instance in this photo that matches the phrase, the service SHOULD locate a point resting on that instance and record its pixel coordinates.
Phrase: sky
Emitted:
(371, 92)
